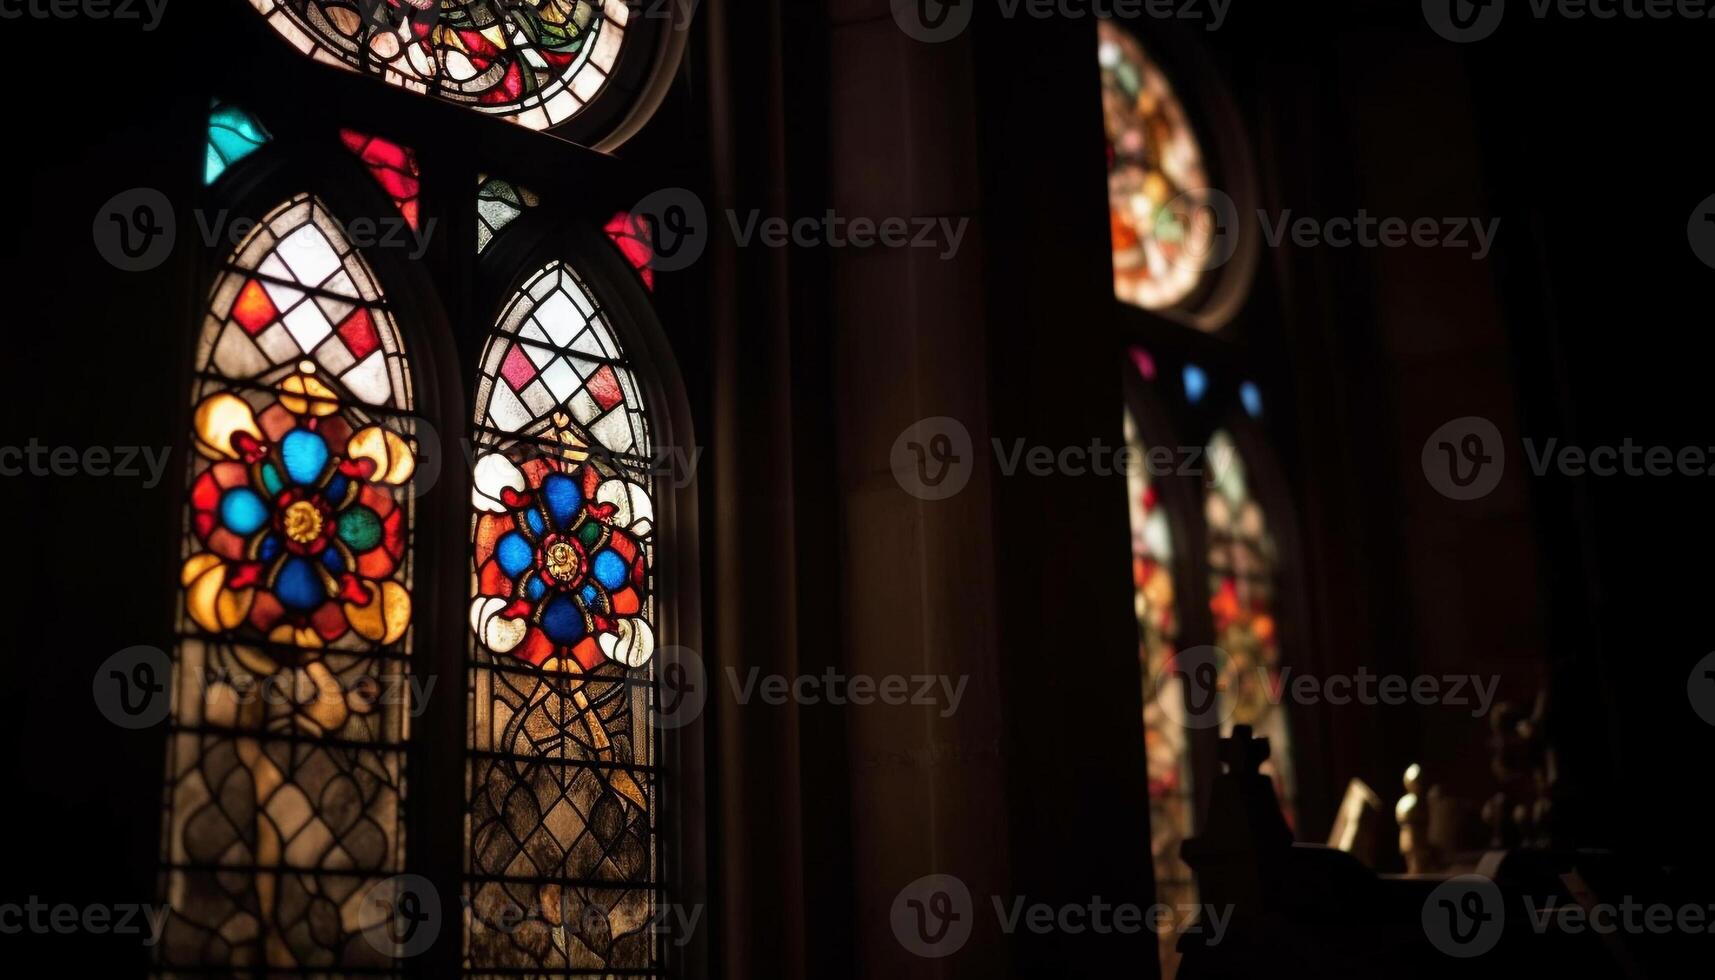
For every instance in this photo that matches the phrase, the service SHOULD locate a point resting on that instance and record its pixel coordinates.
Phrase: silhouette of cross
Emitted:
(1242, 753)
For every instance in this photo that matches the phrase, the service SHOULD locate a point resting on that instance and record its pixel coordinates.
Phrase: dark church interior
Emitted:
(707, 489)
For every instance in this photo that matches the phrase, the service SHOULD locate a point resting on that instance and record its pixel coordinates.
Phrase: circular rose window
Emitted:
(536, 62)
(1164, 229)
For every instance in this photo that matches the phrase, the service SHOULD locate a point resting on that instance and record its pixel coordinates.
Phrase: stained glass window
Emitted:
(562, 776)
(498, 204)
(1166, 735)
(233, 134)
(1157, 201)
(1243, 569)
(286, 759)
(393, 166)
(536, 62)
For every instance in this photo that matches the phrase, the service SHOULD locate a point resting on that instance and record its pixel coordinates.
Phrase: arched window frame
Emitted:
(293, 164)
(540, 236)
(445, 297)
(1227, 330)
(1162, 412)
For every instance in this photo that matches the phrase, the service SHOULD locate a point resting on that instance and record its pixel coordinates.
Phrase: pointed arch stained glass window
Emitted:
(286, 762)
(1244, 565)
(563, 785)
(535, 62)
(1166, 736)
(1157, 183)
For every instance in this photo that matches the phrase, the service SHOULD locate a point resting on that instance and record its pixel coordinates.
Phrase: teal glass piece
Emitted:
(233, 134)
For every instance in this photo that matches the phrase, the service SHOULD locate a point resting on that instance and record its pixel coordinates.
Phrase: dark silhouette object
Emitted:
(1521, 811)
(1276, 908)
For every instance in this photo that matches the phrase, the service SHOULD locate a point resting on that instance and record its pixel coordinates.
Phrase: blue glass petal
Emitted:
(338, 487)
(1196, 383)
(609, 568)
(563, 497)
(334, 561)
(562, 621)
(243, 510)
(304, 454)
(589, 594)
(299, 587)
(269, 547)
(1251, 395)
(533, 520)
(515, 553)
(271, 479)
(535, 589)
